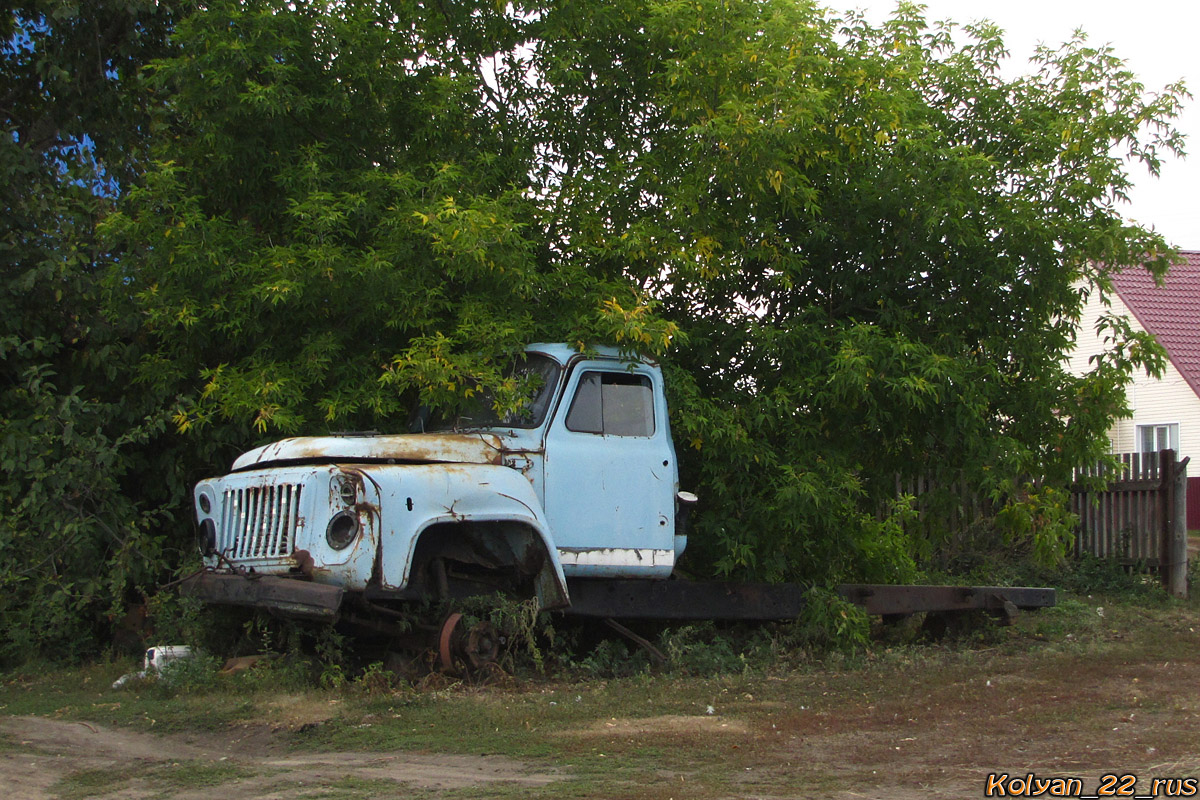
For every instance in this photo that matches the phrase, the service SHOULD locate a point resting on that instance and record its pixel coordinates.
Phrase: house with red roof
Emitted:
(1166, 410)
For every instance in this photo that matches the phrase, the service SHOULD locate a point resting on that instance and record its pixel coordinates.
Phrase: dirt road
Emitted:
(245, 764)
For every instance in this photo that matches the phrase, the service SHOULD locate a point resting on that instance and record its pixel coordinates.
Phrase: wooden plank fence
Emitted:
(957, 508)
(1138, 516)
(1136, 513)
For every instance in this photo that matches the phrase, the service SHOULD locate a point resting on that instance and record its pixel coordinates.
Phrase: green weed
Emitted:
(198, 774)
(353, 788)
(94, 782)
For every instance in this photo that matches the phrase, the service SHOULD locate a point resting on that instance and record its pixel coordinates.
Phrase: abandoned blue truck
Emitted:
(574, 500)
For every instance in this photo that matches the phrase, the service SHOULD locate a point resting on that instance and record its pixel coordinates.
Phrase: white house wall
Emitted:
(1155, 401)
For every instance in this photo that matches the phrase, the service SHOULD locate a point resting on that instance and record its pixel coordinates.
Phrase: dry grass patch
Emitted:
(666, 725)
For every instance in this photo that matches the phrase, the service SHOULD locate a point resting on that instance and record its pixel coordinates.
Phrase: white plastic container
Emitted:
(160, 655)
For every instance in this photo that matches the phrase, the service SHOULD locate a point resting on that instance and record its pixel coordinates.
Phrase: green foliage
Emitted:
(525, 630)
(199, 673)
(830, 622)
(75, 546)
(612, 658)
(872, 243)
(375, 679)
(178, 619)
(81, 528)
(700, 649)
(336, 226)
(1108, 577)
(1041, 517)
(839, 230)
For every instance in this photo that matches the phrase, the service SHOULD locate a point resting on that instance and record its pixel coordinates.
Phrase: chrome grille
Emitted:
(260, 521)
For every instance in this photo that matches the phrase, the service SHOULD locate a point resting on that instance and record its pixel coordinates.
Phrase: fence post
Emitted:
(1166, 506)
(1177, 569)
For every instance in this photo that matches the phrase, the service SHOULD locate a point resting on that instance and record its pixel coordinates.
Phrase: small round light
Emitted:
(345, 490)
(204, 503)
(342, 530)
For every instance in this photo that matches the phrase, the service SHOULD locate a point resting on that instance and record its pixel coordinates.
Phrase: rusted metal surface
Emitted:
(259, 521)
(471, 649)
(447, 448)
(304, 562)
(682, 600)
(686, 600)
(289, 508)
(461, 558)
(445, 654)
(482, 645)
(275, 521)
(396, 517)
(286, 596)
(494, 511)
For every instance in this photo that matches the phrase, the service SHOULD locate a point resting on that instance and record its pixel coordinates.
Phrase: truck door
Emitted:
(610, 474)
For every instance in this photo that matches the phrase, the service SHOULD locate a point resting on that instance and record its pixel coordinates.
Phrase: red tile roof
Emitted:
(1171, 311)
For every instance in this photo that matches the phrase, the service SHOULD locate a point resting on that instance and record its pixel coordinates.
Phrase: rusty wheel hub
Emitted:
(467, 649)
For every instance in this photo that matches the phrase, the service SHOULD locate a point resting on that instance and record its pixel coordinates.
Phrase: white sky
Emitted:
(1158, 40)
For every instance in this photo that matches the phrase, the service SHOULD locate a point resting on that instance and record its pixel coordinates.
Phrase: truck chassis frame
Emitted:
(641, 599)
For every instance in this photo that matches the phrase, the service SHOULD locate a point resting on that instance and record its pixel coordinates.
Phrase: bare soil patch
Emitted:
(665, 725)
(934, 736)
(48, 750)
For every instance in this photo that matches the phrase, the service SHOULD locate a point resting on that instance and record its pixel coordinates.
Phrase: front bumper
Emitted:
(287, 597)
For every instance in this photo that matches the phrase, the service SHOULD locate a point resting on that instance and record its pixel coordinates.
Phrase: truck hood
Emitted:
(450, 448)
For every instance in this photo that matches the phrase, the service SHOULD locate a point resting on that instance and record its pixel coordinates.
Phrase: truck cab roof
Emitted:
(564, 353)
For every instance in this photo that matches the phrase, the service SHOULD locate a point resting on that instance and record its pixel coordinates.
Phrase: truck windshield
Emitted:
(537, 376)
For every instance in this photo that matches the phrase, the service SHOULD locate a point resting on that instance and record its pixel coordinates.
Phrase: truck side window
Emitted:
(614, 404)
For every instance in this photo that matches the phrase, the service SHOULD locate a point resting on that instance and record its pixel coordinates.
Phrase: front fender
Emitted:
(418, 497)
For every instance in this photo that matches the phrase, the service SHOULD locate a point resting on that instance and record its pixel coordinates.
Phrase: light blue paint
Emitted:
(605, 492)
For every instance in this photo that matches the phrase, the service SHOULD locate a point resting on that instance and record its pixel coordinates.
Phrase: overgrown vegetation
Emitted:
(858, 249)
(537, 647)
(1100, 611)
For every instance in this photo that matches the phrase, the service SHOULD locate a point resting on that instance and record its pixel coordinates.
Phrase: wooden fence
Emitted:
(949, 507)
(1138, 516)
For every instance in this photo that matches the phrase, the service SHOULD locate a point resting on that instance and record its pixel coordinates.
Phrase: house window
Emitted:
(1152, 438)
(614, 404)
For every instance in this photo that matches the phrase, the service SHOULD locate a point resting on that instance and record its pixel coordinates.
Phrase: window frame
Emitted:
(643, 380)
(1172, 436)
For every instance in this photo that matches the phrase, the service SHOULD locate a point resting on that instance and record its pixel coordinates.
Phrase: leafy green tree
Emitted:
(75, 534)
(340, 220)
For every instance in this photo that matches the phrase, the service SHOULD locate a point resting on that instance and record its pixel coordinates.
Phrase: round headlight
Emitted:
(342, 530)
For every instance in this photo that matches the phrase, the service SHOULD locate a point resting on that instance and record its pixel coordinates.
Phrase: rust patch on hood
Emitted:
(448, 448)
